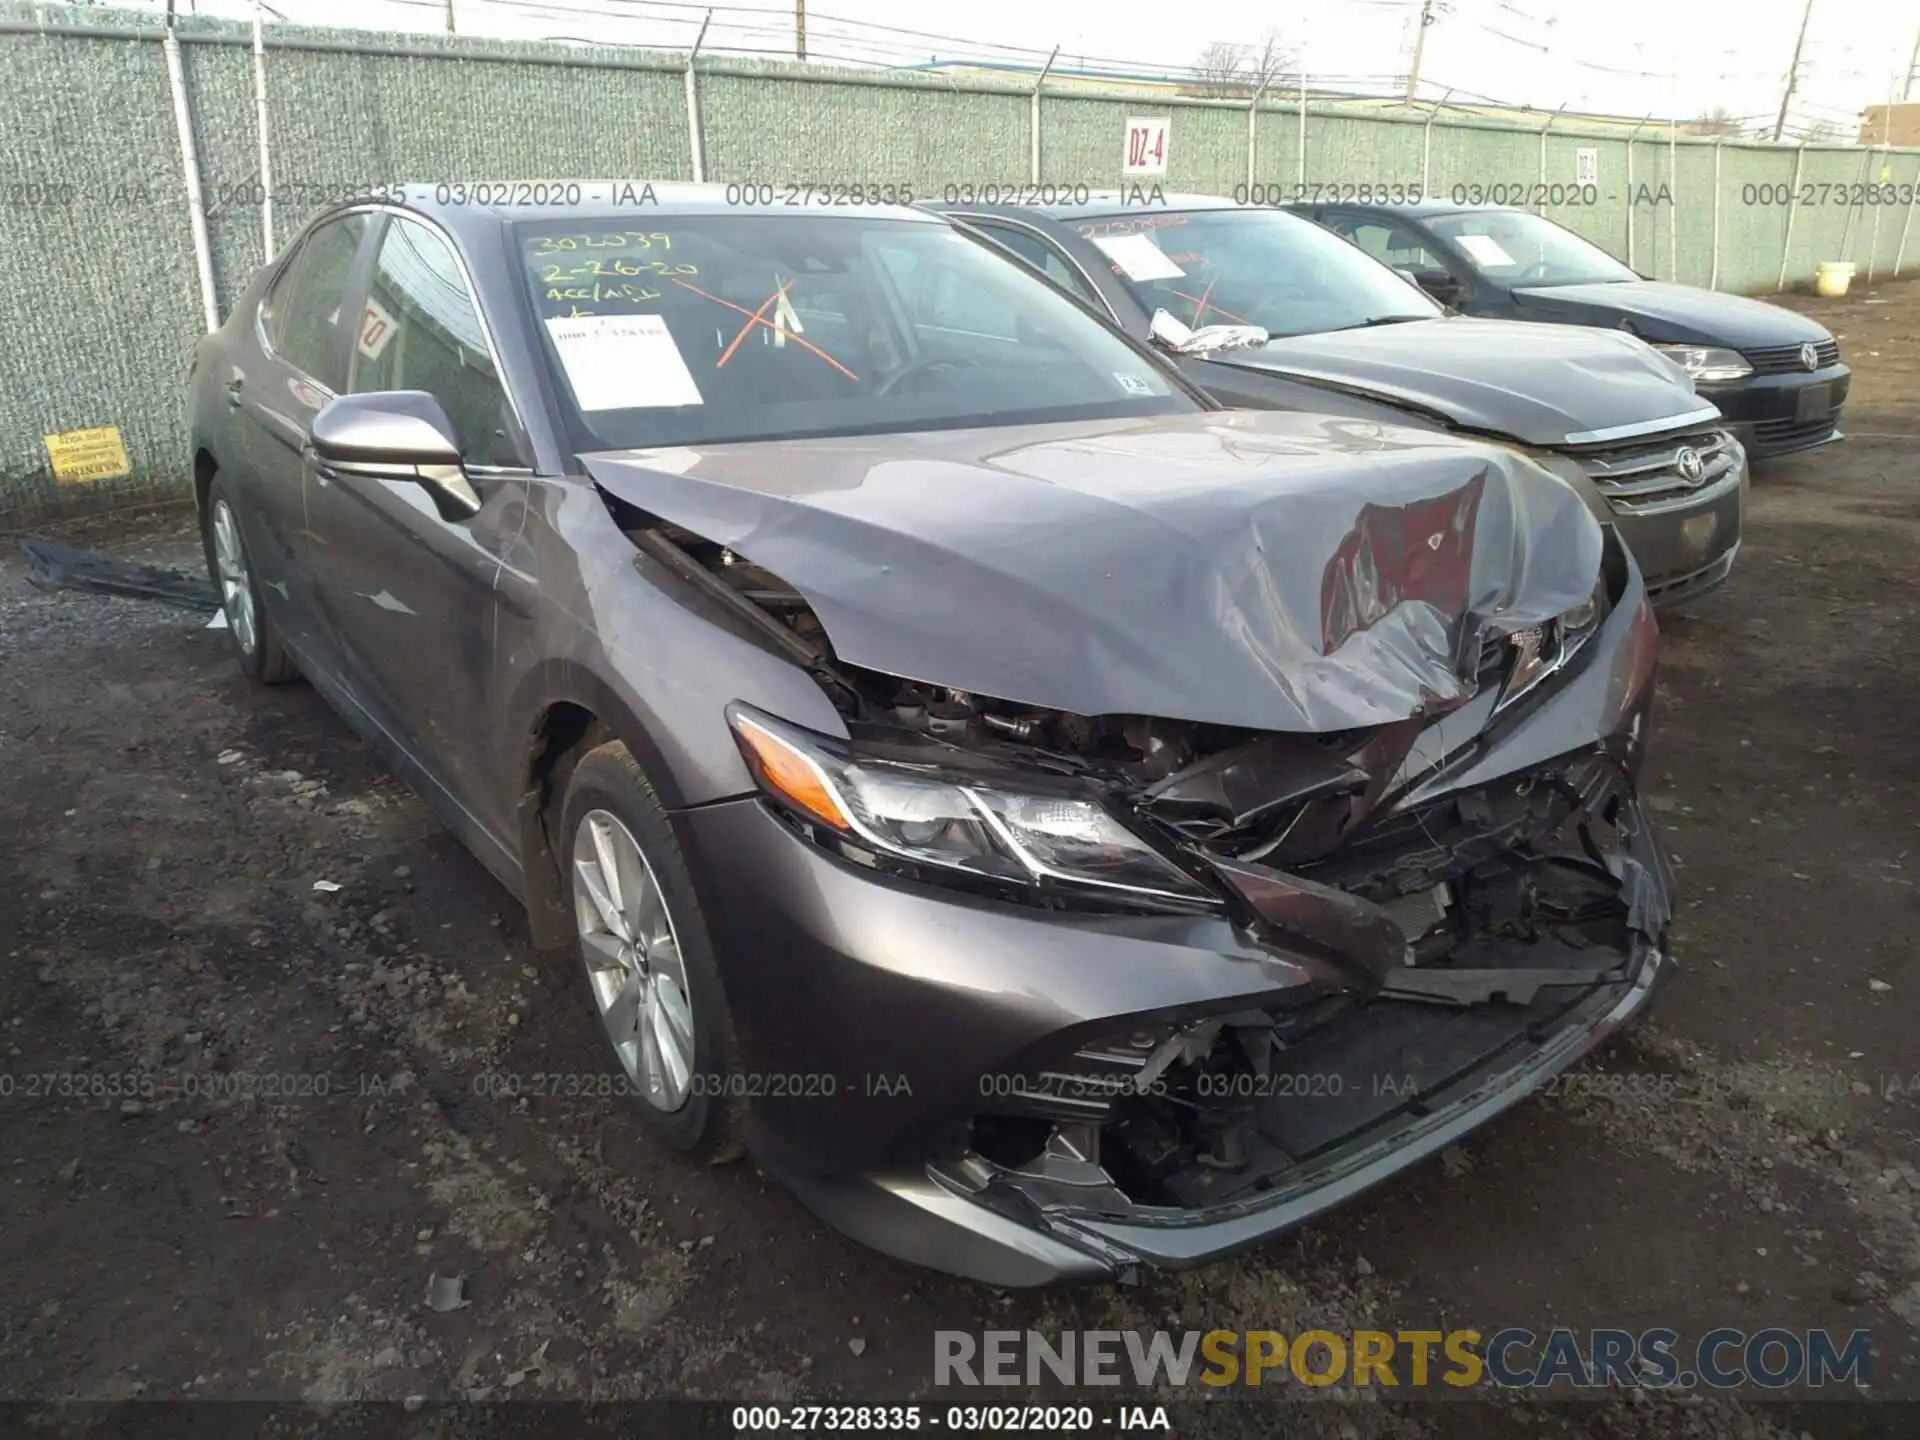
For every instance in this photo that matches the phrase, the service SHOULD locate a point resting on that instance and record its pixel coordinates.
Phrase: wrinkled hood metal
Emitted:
(1536, 383)
(1678, 314)
(1268, 570)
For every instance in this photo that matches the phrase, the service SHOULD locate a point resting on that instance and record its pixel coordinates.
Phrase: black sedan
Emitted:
(1328, 329)
(1057, 825)
(1775, 375)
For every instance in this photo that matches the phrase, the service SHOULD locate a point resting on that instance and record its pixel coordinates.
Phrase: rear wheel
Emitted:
(648, 961)
(256, 642)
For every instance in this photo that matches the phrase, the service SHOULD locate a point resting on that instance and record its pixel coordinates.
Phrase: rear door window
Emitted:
(303, 310)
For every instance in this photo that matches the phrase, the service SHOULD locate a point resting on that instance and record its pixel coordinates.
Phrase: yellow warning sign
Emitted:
(80, 456)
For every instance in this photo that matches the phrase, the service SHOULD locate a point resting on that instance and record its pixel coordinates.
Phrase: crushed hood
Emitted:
(1675, 313)
(1536, 383)
(1266, 570)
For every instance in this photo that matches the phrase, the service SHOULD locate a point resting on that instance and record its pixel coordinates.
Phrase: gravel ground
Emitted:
(273, 1133)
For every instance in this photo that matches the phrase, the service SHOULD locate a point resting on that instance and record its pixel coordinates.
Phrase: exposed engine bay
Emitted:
(1446, 933)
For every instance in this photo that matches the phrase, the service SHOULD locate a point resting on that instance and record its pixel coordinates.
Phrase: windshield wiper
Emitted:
(1369, 323)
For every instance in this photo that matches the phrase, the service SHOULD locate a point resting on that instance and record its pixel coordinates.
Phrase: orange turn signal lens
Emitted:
(791, 774)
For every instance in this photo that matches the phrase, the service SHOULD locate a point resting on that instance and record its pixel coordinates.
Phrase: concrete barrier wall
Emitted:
(100, 294)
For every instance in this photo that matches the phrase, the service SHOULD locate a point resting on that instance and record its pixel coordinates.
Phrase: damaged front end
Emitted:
(1470, 897)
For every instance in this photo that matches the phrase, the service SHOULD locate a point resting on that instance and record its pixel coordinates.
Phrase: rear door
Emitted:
(274, 388)
(410, 594)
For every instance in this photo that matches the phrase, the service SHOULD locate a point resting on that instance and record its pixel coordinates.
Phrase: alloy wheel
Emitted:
(632, 954)
(236, 585)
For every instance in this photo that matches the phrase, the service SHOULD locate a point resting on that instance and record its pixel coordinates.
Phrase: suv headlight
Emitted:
(1708, 362)
(933, 821)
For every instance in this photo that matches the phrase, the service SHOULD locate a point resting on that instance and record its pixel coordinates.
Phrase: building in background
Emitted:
(1891, 124)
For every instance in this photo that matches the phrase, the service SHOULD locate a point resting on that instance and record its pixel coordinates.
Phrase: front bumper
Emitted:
(1778, 414)
(870, 1011)
(917, 1213)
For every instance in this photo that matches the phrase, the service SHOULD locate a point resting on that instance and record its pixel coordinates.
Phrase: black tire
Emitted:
(266, 659)
(710, 1123)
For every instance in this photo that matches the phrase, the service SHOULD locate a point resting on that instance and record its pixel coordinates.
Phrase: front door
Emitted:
(409, 592)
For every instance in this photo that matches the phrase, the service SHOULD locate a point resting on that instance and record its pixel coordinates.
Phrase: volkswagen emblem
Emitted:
(1809, 357)
(1691, 465)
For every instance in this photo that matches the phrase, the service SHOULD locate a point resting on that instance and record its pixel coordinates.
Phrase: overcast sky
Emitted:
(1623, 56)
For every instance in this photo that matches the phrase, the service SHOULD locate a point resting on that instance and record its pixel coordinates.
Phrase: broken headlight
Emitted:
(933, 820)
(1541, 650)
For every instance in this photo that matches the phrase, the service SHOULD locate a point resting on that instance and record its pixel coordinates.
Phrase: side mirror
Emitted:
(396, 435)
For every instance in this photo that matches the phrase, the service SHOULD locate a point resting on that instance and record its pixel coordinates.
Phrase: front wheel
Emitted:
(260, 652)
(649, 964)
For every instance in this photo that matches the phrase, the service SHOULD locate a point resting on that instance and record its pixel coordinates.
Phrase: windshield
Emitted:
(695, 329)
(1253, 267)
(1516, 248)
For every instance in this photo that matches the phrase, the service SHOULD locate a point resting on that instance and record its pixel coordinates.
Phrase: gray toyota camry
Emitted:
(1056, 825)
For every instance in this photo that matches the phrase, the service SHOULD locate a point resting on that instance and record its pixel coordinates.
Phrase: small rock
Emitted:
(1362, 1266)
(188, 1126)
(425, 1234)
(389, 1357)
(413, 1402)
(1878, 986)
(70, 1171)
(1741, 1288)
(857, 1346)
(705, 1240)
(402, 872)
(132, 1107)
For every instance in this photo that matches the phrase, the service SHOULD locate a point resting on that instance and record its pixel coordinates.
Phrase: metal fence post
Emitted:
(1713, 275)
(1540, 206)
(1900, 254)
(1253, 134)
(1846, 233)
(190, 169)
(1303, 136)
(694, 140)
(1426, 147)
(260, 125)
(1673, 200)
(1793, 207)
(1033, 160)
(1632, 136)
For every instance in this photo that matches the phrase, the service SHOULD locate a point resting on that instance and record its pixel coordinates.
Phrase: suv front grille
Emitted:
(1648, 477)
(1785, 359)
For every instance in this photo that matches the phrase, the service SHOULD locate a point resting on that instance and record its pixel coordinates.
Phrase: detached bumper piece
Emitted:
(1484, 942)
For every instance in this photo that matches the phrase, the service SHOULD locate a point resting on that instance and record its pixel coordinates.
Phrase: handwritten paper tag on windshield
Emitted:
(1485, 249)
(622, 362)
(1139, 257)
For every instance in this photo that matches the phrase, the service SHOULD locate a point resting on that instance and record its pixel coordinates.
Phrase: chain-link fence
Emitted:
(107, 131)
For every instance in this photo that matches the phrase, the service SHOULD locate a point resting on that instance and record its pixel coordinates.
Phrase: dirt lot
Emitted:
(173, 1233)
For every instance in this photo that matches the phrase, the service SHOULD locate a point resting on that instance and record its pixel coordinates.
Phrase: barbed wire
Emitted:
(769, 32)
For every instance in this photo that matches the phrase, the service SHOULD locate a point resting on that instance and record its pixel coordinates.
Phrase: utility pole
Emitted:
(1913, 64)
(799, 29)
(449, 10)
(1793, 72)
(1419, 45)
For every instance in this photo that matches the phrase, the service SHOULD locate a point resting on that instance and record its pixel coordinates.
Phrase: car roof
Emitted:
(1102, 205)
(1412, 209)
(463, 204)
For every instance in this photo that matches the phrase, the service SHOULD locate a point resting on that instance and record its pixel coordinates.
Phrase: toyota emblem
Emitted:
(1809, 357)
(1691, 465)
